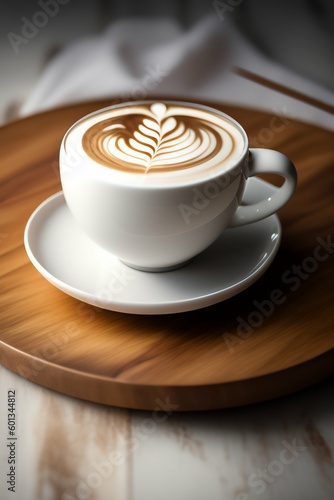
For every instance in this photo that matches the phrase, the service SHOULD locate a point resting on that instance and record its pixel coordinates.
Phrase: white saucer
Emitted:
(72, 262)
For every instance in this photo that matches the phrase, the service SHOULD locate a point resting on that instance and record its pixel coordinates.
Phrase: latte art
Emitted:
(155, 141)
(159, 139)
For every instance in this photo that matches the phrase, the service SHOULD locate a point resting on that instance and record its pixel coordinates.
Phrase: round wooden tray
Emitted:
(191, 361)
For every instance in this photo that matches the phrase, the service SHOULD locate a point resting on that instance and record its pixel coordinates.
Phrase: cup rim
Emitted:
(100, 169)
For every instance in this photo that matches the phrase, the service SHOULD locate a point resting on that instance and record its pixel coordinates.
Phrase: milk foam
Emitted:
(157, 142)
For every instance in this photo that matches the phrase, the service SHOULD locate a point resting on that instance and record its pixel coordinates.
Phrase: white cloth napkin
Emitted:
(136, 58)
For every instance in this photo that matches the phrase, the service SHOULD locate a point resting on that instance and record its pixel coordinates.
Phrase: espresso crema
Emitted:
(158, 142)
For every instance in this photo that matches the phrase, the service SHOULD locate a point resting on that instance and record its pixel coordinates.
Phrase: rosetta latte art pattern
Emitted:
(154, 140)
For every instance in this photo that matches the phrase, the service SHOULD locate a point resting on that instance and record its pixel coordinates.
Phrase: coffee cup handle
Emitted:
(267, 161)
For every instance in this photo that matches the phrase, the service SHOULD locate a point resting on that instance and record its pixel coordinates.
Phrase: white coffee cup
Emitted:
(159, 213)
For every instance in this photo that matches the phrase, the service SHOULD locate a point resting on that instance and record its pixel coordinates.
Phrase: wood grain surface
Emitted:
(197, 360)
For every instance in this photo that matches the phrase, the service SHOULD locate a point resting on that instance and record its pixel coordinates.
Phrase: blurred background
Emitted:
(60, 51)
